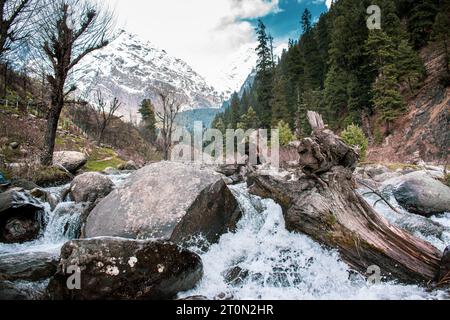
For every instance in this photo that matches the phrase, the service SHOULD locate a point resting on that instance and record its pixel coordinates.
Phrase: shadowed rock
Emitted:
(20, 217)
(122, 269)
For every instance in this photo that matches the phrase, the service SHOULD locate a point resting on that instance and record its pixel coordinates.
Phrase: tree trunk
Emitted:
(52, 127)
(324, 205)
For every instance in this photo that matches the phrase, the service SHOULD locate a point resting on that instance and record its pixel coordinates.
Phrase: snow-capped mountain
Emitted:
(131, 70)
(236, 70)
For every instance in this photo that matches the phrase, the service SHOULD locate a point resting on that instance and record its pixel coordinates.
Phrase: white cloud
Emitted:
(327, 2)
(205, 33)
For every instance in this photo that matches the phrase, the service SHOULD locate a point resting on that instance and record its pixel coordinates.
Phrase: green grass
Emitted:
(99, 165)
(402, 166)
(49, 176)
(102, 158)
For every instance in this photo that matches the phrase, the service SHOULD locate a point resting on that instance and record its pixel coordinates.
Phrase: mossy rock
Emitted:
(50, 176)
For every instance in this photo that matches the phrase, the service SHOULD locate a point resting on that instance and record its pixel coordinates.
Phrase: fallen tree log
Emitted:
(323, 204)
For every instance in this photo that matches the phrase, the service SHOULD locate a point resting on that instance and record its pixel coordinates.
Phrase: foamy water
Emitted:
(276, 264)
(267, 261)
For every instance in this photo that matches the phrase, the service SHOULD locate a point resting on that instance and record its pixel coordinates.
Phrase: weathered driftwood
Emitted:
(323, 204)
(315, 120)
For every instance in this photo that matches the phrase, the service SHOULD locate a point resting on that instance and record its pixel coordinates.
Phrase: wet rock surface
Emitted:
(419, 193)
(122, 269)
(32, 266)
(20, 216)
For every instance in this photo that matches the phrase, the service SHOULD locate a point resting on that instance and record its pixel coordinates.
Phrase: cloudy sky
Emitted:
(205, 33)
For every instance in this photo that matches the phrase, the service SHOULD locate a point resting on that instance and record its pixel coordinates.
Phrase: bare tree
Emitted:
(70, 30)
(104, 115)
(170, 103)
(14, 16)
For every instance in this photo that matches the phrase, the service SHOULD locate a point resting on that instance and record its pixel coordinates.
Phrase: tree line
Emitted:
(342, 69)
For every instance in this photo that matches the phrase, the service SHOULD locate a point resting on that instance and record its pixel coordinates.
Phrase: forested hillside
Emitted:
(345, 71)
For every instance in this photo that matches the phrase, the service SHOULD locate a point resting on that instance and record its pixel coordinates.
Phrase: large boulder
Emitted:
(72, 161)
(419, 193)
(122, 269)
(166, 200)
(20, 217)
(90, 186)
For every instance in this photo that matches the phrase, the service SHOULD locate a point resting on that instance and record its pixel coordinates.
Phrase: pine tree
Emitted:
(219, 124)
(249, 120)
(234, 111)
(409, 66)
(387, 99)
(279, 101)
(421, 20)
(264, 77)
(147, 111)
(335, 95)
(441, 30)
(306, 21)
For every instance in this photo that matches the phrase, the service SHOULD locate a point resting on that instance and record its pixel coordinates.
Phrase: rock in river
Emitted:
(419, 193)
(122, 269)
(20, 217)
(90, 186)
(169, 201)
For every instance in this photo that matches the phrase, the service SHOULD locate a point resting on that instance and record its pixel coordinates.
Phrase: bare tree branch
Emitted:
(170, 103)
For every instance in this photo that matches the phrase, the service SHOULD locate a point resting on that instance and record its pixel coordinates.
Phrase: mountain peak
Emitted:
(132, 69)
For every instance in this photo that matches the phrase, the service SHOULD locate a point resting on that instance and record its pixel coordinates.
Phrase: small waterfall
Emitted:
(60, 225)
(64, 222)
(262, 260)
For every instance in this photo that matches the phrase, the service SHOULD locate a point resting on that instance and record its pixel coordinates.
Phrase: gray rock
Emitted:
(90, 186)
(24, 184)
(46, 196)
(229, 169)
(14, 145)
(32, 266)
(111, 171)
(122, 269)
(166, 200)
(419, 193)
(20, 217)
(72, 161)
(129, 166)
(22, 290)
(373, 171)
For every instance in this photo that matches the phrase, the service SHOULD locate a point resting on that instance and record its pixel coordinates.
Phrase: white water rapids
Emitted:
(262, 260)
(276, 264)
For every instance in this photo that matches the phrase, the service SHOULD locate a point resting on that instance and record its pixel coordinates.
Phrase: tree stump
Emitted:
(324, 205)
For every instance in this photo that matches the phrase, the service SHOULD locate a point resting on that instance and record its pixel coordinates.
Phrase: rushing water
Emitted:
(261, 260)
(61, 224)
(268, 262)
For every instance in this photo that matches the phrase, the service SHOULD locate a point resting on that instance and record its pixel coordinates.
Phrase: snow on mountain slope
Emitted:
(234, 72)
(132, 70)
(239, 71)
